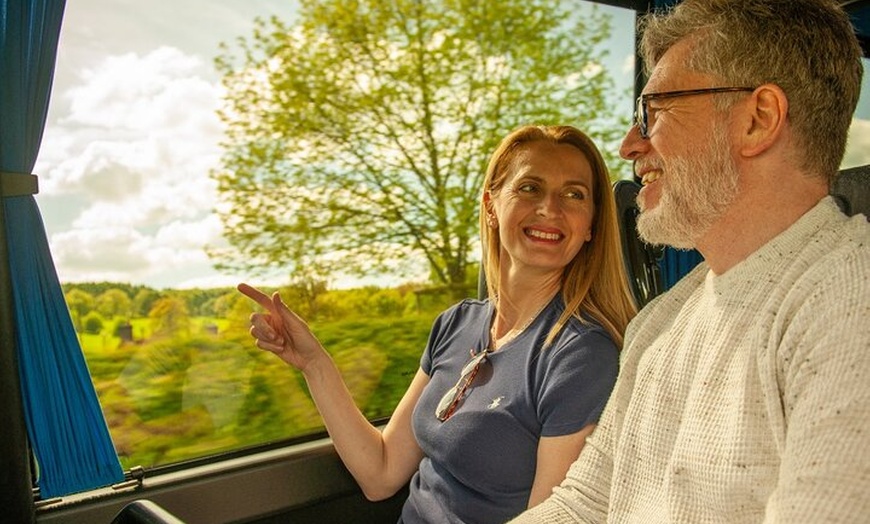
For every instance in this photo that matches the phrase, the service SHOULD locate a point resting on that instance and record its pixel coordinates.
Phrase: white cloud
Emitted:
(137, 145)
(136, 92)
(132, 134)
(104, 170)
(187, 236)
(106, 250)
(114, 252)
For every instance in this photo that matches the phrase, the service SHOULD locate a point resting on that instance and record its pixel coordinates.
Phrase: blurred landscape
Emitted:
(179, 377)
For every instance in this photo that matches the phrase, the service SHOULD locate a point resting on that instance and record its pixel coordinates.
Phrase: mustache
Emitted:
(641, 166)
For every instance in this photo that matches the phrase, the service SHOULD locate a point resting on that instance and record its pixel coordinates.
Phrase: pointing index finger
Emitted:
(256, 295)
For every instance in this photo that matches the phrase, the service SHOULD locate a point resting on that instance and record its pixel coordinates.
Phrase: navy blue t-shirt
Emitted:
(479, 465)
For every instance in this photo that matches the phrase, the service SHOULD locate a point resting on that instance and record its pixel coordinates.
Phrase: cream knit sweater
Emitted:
(743, 397)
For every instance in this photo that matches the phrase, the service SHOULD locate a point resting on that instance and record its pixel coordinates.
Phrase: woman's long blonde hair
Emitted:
(594, 283)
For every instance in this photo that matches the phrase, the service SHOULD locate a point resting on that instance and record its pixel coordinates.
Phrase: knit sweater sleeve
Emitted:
(822, 364)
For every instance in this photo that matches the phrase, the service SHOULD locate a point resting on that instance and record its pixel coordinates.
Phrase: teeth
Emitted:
(545, 236)
(650, 177)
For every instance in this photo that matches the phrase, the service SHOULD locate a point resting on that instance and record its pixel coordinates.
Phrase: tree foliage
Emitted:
(357, 137)
(170, 316)
(114, 302)
(79, 303)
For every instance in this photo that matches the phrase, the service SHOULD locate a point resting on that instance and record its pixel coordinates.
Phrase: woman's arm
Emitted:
(555, 456)
(380, 462)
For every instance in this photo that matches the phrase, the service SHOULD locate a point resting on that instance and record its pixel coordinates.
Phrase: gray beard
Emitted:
(699, 190)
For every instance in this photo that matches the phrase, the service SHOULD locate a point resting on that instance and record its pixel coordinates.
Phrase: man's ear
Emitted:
(765, 119)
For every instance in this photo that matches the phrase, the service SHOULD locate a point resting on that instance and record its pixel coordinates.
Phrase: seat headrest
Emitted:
(640, 259)
(851, 188)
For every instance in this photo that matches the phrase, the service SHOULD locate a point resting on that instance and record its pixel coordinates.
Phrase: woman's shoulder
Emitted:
(464, 311)
(579, 327)
(466, 307)
(586, 336)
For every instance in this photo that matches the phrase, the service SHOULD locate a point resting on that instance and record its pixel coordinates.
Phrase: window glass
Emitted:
(131, 199)
(858, 147)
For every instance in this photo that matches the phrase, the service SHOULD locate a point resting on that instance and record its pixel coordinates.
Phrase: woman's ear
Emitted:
(491, 220)
(765, 119)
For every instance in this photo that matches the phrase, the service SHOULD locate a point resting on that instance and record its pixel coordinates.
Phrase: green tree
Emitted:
(360, 135)
(80, 303)
(144, 300)
(221, 306)
(386, 303)
(170, 317)
(303, 294)
(92, 323)
(114, 302)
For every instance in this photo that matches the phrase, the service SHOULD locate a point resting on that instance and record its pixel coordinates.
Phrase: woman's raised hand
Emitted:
(281, 331)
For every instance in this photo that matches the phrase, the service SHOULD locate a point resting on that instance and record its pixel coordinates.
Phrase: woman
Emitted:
(508, 387)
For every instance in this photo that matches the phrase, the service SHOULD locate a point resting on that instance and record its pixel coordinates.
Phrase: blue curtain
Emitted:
(66, 428)
(675, 263)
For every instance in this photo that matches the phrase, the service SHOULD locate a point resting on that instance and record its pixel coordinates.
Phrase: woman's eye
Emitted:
(576, 195)
(527, 188)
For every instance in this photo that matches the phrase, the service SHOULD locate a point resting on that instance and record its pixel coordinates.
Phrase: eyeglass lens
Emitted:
(640, 116)
(450, 401)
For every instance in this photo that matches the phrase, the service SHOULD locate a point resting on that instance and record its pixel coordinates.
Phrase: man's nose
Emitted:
(633, 144)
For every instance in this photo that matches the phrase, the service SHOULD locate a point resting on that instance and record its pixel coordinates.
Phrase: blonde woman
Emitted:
(508, 387)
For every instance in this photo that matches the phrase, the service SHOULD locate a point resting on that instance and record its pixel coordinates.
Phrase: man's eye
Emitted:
(652, 110)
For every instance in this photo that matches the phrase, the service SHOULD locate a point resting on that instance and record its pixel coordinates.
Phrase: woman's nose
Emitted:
(549, 204)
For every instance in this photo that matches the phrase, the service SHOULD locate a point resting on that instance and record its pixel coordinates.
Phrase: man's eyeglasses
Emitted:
(450, 400)
(641, 115)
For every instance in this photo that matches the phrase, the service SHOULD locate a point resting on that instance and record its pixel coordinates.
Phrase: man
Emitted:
(744, 392)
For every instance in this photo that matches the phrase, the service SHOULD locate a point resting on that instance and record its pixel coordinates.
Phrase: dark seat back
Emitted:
(641, 259)
(852, 190)
(144, 511)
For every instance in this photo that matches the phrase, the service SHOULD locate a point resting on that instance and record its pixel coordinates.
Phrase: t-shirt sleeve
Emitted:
(448, 322)
(426, 359)
(578, 378)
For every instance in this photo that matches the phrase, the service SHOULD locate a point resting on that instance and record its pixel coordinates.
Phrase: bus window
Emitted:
(858, 146)
(139, 171)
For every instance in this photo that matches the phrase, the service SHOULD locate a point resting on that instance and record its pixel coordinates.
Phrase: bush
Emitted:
(93, 323)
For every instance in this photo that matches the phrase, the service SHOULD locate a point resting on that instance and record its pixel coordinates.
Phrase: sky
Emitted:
(132, 134)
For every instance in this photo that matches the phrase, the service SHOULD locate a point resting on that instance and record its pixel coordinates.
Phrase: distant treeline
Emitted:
(93, 305)
(200, 302)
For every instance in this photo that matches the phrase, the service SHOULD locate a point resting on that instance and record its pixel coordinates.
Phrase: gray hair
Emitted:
(806, 47)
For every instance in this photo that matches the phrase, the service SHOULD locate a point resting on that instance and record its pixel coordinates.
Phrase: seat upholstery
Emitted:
(852, 190)
(641, 259)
